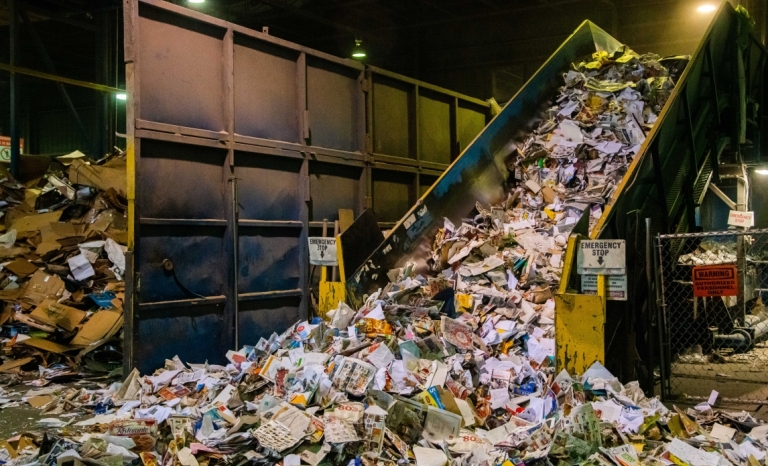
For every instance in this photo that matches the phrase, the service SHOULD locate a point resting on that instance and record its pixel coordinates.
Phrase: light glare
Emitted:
(762, 171)
(121, 96)
(707, 8)
(196, 1)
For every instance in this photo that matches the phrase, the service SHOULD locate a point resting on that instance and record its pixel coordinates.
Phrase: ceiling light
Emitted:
(762, 171)
(196, 1)
(358, 51)
(121, 96)
(706, 8)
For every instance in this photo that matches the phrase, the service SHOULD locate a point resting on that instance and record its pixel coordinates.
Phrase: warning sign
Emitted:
(322, 251)
(5, 148)
(715, 280)
(615, 287)
(602, 257)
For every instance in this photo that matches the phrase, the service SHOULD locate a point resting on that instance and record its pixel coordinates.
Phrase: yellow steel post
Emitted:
(331, 292)
(579, 320)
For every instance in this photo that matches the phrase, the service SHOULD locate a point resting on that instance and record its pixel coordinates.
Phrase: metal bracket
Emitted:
(723, 196)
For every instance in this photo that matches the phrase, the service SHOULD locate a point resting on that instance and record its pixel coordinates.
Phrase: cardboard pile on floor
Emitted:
(62, 261)
(456, 367)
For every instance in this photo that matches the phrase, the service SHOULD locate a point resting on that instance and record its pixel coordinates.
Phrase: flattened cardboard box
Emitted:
(53, 313)
(42, 286)
(97, 176)
(21, 267)
(97, 327)
(35, 222)
(46, 345)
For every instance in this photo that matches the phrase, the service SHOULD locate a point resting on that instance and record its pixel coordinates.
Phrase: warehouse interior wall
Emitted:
(481, 48)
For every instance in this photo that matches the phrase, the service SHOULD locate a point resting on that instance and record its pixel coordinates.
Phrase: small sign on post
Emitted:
(715, 280)
(616, 286)
(322, 251)
(602, 257)
(741, 219)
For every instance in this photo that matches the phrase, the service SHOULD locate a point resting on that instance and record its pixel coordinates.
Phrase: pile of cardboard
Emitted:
(62, 261)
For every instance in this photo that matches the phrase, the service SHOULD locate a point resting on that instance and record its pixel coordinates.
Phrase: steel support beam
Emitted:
(14, 84)
(106, 57)
(61, 18)
(59, 79)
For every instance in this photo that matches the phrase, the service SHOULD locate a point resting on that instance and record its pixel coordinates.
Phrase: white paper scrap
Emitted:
(80, 267)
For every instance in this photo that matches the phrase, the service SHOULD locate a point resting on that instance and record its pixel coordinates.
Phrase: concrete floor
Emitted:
(737, 378)
(18, 419)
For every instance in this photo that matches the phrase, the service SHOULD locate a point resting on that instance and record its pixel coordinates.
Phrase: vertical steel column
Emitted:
(651, 305)
(105, 74)
(14, 30)
(661, 322)
(133, 157)
(232, 308)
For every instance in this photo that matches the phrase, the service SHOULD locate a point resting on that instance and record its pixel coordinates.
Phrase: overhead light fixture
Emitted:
(358, 51)
(762, 171)
(196, 1)
(121, 96)
(706, 8)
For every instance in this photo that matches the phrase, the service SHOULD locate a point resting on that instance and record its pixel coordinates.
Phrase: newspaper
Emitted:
(456, 333)
(354, 376)
(275, 436)
(338, 430)
(441, 425)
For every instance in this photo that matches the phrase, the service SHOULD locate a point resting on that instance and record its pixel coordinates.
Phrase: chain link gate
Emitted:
(713, 343)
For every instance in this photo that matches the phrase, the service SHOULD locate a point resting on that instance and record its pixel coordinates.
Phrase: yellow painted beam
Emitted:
(579, 331)
(59, 79)
(330, 295)
(570, 259)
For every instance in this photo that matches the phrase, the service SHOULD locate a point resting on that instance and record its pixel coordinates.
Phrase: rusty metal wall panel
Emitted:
(333, 187)
(269, 259)
(181, 81)
(181, 181)
(434, 129)
(217, 111)
(262, 317)
(268, 187)
(333, 100)
(393, 191)
(392, 106)
(266, 93)
(196, 253)
(191, 332)
(418, 124)
(470, 121)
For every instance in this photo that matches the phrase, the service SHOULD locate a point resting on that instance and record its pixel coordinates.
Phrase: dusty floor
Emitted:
(18, 419)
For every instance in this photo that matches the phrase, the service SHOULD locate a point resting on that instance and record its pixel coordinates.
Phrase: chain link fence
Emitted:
(708, 341)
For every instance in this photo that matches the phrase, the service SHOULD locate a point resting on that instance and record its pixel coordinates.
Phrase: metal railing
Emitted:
(713, 342)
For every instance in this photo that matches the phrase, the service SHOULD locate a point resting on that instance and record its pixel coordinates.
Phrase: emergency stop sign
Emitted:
(715, 280)
(602, 257)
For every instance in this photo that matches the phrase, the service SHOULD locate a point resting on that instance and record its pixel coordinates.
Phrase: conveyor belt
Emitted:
(706, 114)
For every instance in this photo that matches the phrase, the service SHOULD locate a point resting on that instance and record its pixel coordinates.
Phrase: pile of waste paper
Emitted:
(412, 377)
(62, 261)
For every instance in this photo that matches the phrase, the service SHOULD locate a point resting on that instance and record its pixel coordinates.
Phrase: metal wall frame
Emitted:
(239, 145)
